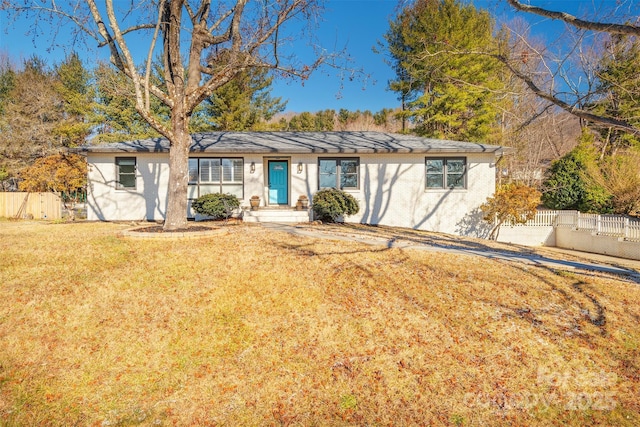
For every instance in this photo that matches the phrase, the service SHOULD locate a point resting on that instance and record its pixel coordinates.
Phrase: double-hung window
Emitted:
(126, 173)
(339, 173)
(216, 175)
(446, 172)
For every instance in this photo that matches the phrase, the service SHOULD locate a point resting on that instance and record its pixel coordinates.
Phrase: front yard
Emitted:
(256, 327)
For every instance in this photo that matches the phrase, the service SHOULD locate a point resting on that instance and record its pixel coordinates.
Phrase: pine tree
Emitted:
(116, 118)
(447, 86)
(619, 90)
(7, 82)
(73, 85)
(243, 104)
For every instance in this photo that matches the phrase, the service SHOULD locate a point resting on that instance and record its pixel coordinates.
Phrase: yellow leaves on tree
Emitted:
(61, 172)
(511, 202)
(619, 175)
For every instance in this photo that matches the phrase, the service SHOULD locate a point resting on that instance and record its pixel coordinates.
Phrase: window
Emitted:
(126, 173)
(339, 173)
(446, 172)
(193, 171)
(215, 175)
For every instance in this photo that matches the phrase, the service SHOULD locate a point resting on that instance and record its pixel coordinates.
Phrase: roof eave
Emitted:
(113, 150)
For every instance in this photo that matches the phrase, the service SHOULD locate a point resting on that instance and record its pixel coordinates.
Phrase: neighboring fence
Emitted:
(540, 231)
(30, 205)
(542, 219)
(606, 234)
(608, 225)
(605, 225)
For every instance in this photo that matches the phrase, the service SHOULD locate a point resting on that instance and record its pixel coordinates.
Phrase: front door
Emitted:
(278, 182)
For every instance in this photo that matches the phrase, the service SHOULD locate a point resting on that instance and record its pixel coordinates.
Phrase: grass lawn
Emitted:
(255, 327)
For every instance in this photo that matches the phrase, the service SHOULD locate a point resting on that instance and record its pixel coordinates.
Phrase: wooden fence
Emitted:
(30, 205)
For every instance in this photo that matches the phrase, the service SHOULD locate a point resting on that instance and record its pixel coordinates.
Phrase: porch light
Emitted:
(300, 167)
(252, 168)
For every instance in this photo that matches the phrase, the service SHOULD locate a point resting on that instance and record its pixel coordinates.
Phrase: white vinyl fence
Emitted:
(617, 235)
(606, 225)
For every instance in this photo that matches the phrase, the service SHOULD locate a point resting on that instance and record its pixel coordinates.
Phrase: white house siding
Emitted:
(392, 192)
(392, 188)
(147, 201)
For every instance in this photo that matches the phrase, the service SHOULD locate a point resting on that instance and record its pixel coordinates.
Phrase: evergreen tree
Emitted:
(303, 122)
(244, 103)
(619, 91)
(448, 88)
(32, 108)
(568, 185)
(7, 82)
(325, 120)
(73, 85)
(116, 117)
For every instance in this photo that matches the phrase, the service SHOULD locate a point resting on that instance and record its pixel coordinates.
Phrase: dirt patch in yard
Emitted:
(160, 229)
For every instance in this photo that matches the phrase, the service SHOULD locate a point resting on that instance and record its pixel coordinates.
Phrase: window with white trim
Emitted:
(126, 173)
(446, 172)
(339, 173)
(216, 175)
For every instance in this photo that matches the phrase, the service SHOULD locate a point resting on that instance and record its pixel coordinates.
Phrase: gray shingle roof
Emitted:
(301, 143)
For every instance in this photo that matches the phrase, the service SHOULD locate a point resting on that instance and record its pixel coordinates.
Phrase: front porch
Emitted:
(276, 214)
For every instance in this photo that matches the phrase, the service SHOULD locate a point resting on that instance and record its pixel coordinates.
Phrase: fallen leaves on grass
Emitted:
(254, 327)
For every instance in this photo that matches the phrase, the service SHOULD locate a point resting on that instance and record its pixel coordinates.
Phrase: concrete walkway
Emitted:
(584, 261)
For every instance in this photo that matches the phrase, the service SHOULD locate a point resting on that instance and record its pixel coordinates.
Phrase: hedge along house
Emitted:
(398, 180)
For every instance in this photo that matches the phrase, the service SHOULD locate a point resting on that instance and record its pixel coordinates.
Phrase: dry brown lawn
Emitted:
(255, 327)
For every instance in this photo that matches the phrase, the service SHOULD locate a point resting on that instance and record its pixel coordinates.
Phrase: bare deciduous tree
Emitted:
(202, 45)
(31, 111)
(581, 96)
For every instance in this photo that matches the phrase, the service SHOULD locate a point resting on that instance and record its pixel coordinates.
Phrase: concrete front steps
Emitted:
(281, 215)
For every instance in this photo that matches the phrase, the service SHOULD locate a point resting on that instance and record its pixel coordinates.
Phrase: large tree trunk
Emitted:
(178, 174)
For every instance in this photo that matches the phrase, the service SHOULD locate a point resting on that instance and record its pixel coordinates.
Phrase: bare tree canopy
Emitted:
(584, 49)
(611, 28)
(202, 45)
(573, 109)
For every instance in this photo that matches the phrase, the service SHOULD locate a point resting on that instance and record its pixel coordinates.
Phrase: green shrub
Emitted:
(216, 205)
(329, 204)
(569, 186)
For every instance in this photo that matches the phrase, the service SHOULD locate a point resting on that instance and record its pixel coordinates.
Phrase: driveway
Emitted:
(419, 240)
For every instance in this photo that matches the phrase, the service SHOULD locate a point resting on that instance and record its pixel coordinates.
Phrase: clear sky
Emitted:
(356, 24)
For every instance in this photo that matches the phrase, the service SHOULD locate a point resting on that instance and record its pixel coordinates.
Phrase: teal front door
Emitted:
(278, 182)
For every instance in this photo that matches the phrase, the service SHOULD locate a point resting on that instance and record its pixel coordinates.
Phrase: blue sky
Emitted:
(356, 24)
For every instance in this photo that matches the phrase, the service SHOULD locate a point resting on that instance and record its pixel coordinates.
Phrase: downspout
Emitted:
(499, 180)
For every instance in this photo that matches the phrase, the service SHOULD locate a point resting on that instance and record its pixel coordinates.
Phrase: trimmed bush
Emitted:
(330, 204)
(218, 206)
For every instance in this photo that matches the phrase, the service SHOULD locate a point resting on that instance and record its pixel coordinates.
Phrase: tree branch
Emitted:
(124, 61)
(611, 28)
(130, 30)
(578, 112)
(152, 46)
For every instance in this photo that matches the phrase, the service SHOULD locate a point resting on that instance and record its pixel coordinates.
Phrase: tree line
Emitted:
(573, 118)
(570, 112)
(47, 109)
